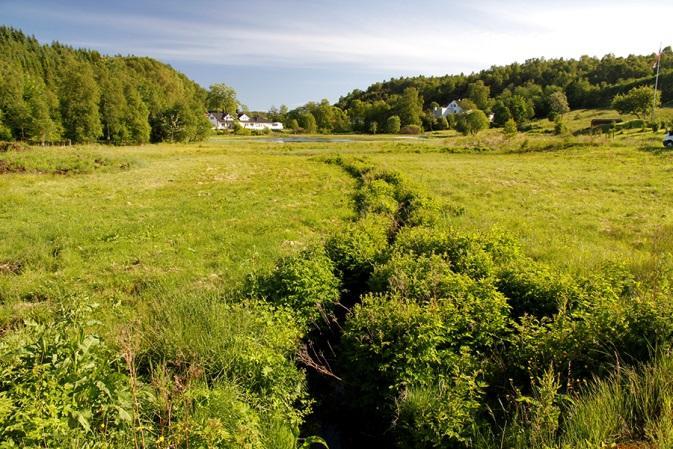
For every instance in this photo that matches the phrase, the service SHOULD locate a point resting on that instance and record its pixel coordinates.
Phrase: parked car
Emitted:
(668, 139)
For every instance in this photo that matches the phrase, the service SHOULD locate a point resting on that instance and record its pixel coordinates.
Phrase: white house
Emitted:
(226, 121)
(216, 119)
(450, 109)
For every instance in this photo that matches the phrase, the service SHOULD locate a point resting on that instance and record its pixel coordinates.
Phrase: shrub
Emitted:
(411, 129)
(378, 197)
(509, 128)
(393, 124)
(465, 252)
(501, 246)
(189, 412)
(474, 313)
(305, 283)
(472, 122)
(416, 208)
(442, 123)
(5, 131)
(62, 386)
(12, 146)
(358, 247)
(599, 321)
(560, 126)
(437, 415)
(394, 348)
(294, 125)
(243, 132)
(533, 289)
(536, 418)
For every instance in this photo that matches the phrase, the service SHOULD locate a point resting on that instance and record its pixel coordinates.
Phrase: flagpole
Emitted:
(656, 84)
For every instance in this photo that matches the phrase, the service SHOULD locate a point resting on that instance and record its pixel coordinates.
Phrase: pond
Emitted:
(313, 139)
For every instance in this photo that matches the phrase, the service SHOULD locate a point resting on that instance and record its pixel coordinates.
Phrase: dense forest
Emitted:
(57, 93)
(521, 91)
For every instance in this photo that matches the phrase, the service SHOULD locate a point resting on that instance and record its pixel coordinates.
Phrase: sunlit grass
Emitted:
(191, 217)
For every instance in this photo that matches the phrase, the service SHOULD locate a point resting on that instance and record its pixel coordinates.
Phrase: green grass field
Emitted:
(202, 216)
(180, 218)
(164, 237)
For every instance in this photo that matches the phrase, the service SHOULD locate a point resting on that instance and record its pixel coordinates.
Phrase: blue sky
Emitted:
(292, 51)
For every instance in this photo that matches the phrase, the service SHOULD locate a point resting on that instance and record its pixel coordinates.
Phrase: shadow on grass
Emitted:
(657, 150)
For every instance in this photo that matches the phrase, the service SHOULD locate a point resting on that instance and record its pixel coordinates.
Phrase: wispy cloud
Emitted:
(353, 39)
(429, 39)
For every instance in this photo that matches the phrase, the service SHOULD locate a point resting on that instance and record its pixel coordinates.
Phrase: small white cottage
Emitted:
(450, 109)
(220, 120)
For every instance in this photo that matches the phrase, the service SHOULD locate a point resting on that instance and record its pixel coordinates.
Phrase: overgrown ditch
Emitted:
(416, 332)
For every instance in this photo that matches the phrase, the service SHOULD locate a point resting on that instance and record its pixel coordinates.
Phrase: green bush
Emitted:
(472, 122)
(438, 415)
(411, 129)
(358, 247)
(536, 417)
(474, 313)
(599, 321)
(532, 288)
(61, 385)
(378, 197)
(465, 252)
(305, 283)
(240, 130)
(393, 124)
(187, 411)
(392, 348)
(559, 126)
(417, 208)
(509, 128)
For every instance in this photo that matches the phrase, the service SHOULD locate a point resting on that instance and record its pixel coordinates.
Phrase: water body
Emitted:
(300, 139)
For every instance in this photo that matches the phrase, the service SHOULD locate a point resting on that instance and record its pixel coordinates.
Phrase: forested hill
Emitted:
(588, 82)
(55, 92)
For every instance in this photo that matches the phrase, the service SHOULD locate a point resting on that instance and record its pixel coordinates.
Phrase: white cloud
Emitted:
(435, 38)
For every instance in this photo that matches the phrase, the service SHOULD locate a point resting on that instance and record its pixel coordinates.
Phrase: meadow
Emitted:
(175, 217)
(214, 275)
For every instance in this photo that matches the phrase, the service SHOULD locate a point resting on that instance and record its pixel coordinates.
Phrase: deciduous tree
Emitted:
(393, 124)
(557, 104)
(410, 107)
(80, 95)
(638, 101)
(222, 98)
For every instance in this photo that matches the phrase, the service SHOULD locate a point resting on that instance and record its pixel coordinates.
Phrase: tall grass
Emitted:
(633, 405)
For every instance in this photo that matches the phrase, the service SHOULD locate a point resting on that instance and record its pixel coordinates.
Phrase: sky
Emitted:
(290, 51)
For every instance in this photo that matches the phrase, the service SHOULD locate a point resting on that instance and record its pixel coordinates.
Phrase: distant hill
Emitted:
(588, 82)
(55, 92)
(538, 88)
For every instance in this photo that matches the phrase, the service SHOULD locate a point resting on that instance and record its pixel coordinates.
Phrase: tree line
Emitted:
(514, 93)
(55, 93)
